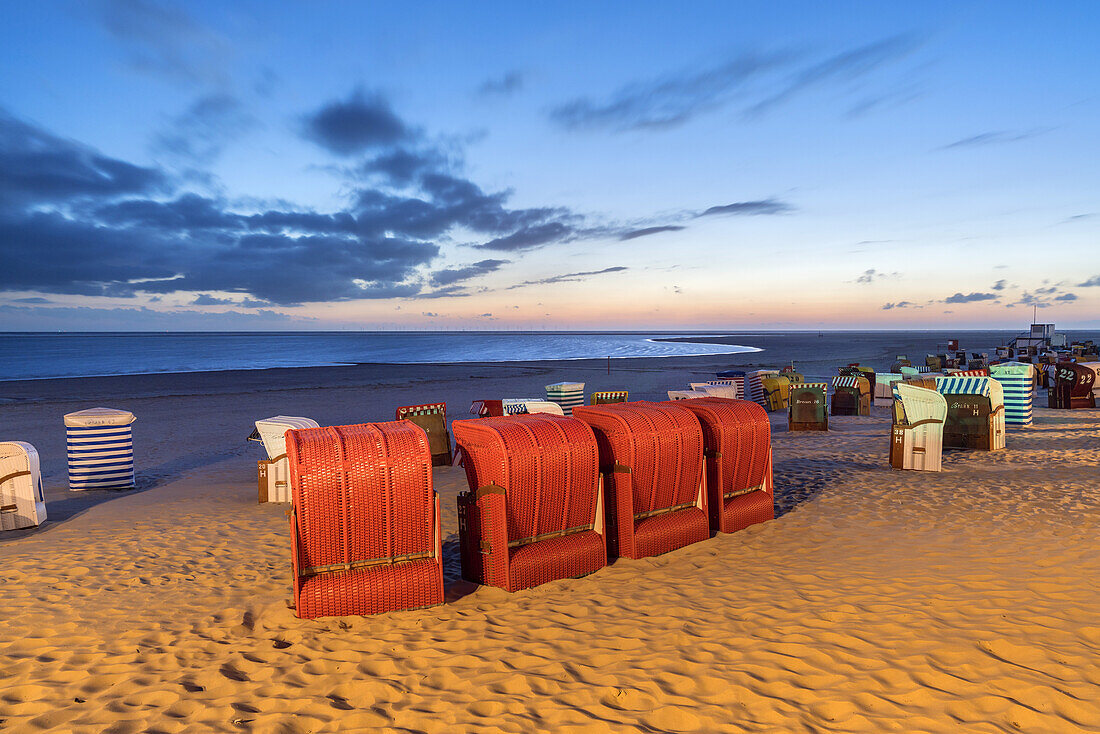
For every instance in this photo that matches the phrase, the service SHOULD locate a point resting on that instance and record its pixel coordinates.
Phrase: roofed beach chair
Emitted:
(535, 509)
(776, 391)
(100, 448)
(432, 417)
(22, 504)
(720, 390)
(884, 384)
(684, 394)
(652, 458)
(737, 444)
(851, 395)
(934, 363)
(1018, 382)
(487, 408)
(907, 371)
(1073, 387)
(731, 377)
(975, 413)
(605, 397)
(808, 407)
(273, 473)
(365, 532)
(523, 406)
(977, 372)
(754, 388)
(566, 394)
(917, 431)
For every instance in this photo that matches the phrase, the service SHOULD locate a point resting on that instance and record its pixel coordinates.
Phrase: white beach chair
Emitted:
(718, 391)
(919, 415)
(273, 473)
(22, 504)
(520, 406)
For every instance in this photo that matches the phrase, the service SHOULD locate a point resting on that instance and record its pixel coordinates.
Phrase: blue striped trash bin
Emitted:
(1018, 381)
(100, 447)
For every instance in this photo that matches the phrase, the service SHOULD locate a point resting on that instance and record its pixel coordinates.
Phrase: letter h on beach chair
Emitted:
(737, 444)
(652, 459)
(917, 431)
(534, 512)
(432, 417)
(365, 533)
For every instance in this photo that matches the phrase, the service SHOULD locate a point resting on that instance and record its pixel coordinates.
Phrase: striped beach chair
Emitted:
(851, 395)
(977, 372)
(605, 397)
(524, 406)
(754, 386)
(808, 407)
(100, 447)
(919, 415)
(731, 377)
(1018, 382)
(22, 504)
(568, 395)
(975, 413)
(273, 473)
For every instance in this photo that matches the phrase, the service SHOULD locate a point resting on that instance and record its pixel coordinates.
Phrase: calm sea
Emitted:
(45, 355)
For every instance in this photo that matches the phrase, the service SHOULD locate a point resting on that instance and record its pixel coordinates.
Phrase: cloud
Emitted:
(1093, 281)
(205, 299)
(455, 275)
(503, 86)
(1066, 297)
(970, 297)
(996, 137)
(1078, 217)
(569, 277)
(86, 318)
(205, 128)
(429, 314)
(647, 231)
(361, 122)
(32, 300)
(163, 40)
(39, 168)
(755, 82)
(529, 237)
(999, 285)
(402, 166)
(762, 206)
(899, 304)
(867, 277)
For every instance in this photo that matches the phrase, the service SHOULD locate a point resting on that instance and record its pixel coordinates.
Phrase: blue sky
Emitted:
(575, 165)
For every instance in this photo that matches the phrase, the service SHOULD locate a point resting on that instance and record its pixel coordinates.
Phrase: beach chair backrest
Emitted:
(920, 403)
(605, 397)
(362, 495)
(271, 432)
(432, 417)
(732, 392)
(22, 504)
(740, 433)
(546, 465)
(660, 445)
(807, 402)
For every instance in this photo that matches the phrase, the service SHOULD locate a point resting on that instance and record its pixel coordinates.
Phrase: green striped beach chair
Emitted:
(567, 395)
(1018, 381)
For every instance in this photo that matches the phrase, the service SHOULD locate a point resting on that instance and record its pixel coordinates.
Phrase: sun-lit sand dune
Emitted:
(878, 600)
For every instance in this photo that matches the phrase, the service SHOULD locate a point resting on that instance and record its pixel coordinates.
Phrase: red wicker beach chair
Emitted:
(365, 531)
(487, 408)
(534, 512)
(737, 440)
(652, 458)
(432, 417)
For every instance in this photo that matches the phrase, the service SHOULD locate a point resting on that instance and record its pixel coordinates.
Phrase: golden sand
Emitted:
(877, 601)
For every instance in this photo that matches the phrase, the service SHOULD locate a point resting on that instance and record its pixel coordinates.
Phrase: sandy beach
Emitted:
(878, 600)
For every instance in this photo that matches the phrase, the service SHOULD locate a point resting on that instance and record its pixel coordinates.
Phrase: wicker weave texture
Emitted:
(365, 524)
(652, 455)
(737, 440)
(534, 511)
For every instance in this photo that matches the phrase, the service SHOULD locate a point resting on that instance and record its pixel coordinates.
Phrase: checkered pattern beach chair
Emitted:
(808, 407)
(652, 459)
(851, 395)
(432, 417)
(534, 512)
(365, 532)
(975, 412)
(22, 504)
(737, 445)
(607, 397)
(917, 430)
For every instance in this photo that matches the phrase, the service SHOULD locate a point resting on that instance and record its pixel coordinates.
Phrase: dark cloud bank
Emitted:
(74, 221)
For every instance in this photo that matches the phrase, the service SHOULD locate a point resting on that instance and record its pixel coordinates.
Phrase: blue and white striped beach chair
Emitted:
(1018, 381)
(100, 448)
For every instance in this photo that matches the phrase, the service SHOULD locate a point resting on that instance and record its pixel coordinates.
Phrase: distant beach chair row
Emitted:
(550, 497)
(99, 447)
